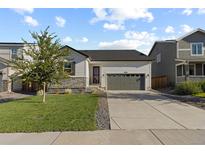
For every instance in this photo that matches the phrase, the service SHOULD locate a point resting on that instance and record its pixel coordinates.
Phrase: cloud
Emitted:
(83, 40)
(110, 26)
(119, 15)
(22, 11)
(30, 21)
(187, 12)
(67, 39)
(186, 28)
(132, 40)
(154, 28)
(201, 11)
(169, 29)
(60, 21)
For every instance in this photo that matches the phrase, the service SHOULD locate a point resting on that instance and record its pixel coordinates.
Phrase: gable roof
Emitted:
(115, 55)
(194, 31)
(66, 46)
(162, 43)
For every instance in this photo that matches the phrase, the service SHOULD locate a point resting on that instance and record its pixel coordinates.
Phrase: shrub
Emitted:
(202, 85)
(188, 88)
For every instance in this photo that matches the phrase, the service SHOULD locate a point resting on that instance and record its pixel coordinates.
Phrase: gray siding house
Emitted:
(180, 60)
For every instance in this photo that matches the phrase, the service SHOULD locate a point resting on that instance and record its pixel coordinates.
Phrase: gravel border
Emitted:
(102, 114)
(188, 99)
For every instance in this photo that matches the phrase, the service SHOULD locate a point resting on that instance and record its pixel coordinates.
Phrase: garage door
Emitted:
(125, 81)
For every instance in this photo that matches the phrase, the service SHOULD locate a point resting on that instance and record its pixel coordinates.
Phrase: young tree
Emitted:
(42, 61)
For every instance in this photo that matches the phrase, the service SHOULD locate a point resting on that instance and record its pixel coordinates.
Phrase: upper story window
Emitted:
(159, 58)
(14, 53)
(197, 49)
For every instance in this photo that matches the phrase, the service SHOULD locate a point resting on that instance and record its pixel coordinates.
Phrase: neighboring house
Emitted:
(180, 60)
(8, 51)
(107, 69)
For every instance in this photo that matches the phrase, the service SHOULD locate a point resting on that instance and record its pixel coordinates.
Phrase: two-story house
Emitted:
(8, 51)
(180, 60)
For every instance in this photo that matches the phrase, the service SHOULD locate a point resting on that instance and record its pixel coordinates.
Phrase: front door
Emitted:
(96, 74)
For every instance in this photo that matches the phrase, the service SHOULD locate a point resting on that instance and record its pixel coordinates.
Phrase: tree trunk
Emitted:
(44, 92)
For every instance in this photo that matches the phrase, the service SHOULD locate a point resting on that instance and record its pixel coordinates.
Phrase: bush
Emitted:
(202, 85)
(188, 88)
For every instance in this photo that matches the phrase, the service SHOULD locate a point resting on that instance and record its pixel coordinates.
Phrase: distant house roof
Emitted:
(191, 32)
(13, 44)
(115, 55)
(174, 41)
(162, 43)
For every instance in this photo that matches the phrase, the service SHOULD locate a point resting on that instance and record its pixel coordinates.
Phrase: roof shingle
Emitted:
(116, 55)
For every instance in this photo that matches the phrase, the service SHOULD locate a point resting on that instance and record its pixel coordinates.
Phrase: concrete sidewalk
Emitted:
(107, 137)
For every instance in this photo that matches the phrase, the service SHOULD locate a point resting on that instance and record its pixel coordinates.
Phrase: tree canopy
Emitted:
(42, 61)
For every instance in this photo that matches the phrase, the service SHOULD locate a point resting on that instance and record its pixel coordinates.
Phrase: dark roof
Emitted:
(66, 46)
(162, 43)
(17, 44)
(11, 43)
(115, 55)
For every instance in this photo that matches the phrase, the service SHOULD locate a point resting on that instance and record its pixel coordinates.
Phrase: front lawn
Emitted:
(202, 95)
(60, 113)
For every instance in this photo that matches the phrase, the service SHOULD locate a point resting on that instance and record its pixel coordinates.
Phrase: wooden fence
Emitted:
(159, 82)
(30, 87)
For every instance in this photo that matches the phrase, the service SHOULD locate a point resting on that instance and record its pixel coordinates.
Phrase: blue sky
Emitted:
(102, 28)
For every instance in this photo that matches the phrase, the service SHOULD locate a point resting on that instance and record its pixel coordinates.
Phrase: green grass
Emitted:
(60, 113)
(200, 95)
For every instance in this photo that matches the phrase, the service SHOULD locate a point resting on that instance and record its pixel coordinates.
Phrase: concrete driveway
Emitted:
(149, 110)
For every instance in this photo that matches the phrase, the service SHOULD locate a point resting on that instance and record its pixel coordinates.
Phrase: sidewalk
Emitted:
(107, 137)
(5, 96)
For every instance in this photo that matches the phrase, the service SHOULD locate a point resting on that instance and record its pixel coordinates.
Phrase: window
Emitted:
(70, 67)
(181, 70)
(204, 69)
(14, 53)
(191, 69)
(159, 58)
(197, 49)
(198, 69)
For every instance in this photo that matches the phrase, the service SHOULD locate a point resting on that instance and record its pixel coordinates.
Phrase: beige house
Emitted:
(7, 52)
(107, 69)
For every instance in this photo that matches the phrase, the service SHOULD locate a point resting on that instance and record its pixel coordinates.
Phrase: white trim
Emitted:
(202, 48)
(183, 49)
(177, 56)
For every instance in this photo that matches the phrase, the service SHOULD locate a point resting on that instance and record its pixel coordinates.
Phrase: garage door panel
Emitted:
(125, 81)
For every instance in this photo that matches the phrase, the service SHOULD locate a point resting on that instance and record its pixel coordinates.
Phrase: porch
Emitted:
(190, 71)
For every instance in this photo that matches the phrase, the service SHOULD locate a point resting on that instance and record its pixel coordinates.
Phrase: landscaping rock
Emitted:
(102, 114)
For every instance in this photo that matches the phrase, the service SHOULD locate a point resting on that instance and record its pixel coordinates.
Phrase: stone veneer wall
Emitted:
(5, 85)
(73, 84)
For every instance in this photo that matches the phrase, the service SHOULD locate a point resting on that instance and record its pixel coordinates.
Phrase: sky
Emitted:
(116, 28)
